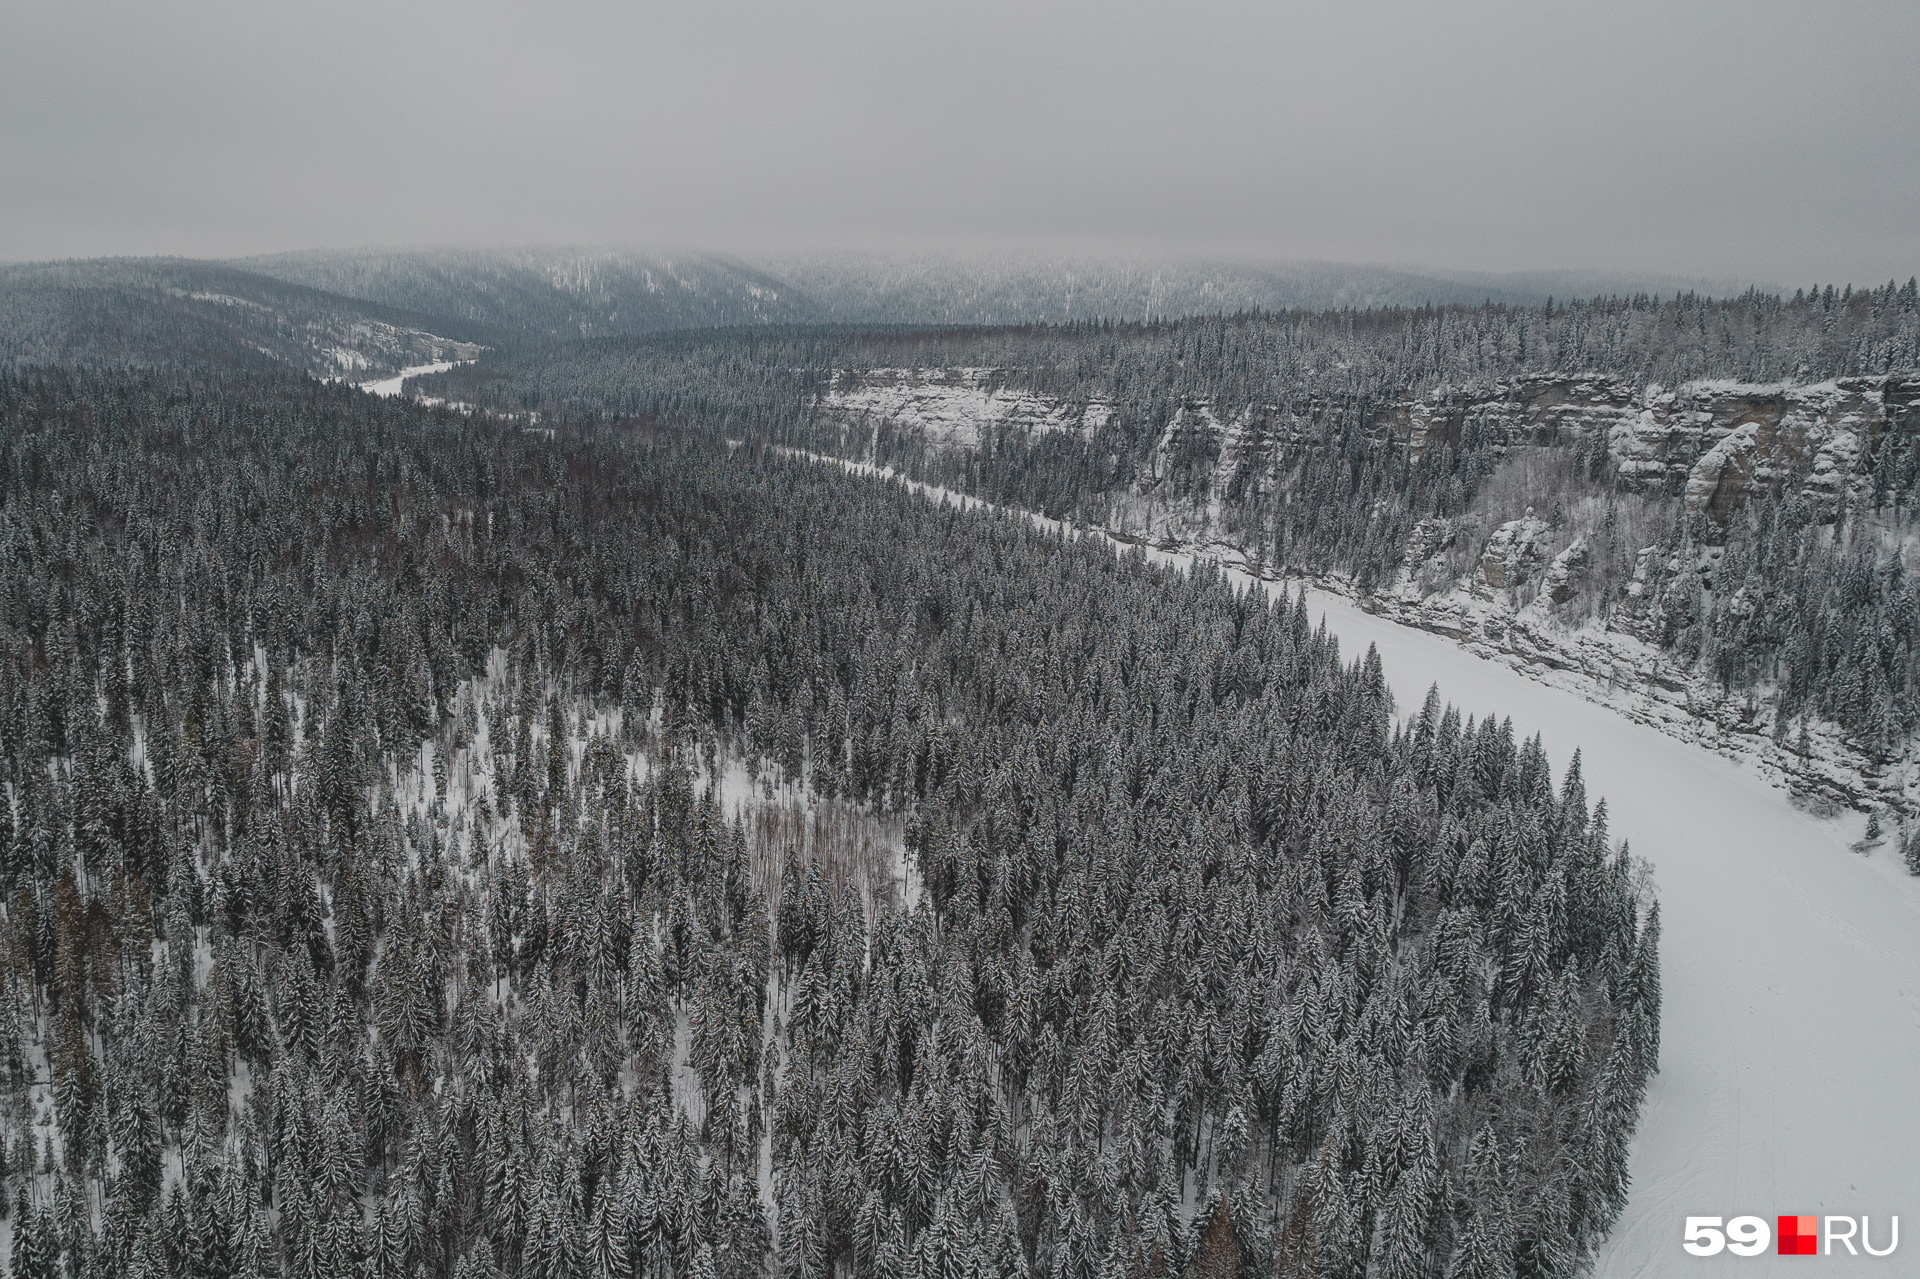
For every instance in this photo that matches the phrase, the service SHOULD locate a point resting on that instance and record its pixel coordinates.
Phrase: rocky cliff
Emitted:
(948, 408)
(1529, 590)
(1713, 444)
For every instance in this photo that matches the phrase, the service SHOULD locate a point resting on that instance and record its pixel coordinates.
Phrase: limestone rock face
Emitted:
(1425, 569)
(1719, 443)
(1724, 474)
(1428, 539)
(1543, 410)
(1716, 443)
(1563, 575)
(1713, 443)
(1512, 554)
(949, 408)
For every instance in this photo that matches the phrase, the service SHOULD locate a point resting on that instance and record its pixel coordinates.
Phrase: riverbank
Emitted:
(1790, 963)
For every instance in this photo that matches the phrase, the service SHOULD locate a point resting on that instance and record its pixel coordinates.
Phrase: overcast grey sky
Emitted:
(1757, 139)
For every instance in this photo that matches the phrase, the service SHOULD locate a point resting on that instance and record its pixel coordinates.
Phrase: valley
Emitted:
(1572, 581)
(1781, 943)
(766, 833)
(959, 642)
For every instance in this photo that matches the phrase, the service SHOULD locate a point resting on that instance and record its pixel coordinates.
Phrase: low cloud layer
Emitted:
(1751, 140)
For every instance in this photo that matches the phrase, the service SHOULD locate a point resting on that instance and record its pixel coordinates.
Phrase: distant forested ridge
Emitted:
(1730, 483)
(1368, 357)
(116, 313)
(437, 847)
(535, 295)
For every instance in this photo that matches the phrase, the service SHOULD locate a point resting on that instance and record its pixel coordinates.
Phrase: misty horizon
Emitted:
(793, 266)
(1032, 253)
(906, 250)
(1717, 142)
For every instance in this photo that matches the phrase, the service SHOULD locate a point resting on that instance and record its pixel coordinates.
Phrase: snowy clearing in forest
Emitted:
(1790, 964)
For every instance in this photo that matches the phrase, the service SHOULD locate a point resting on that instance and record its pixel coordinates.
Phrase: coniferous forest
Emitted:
(444, 848)
(1276, 433)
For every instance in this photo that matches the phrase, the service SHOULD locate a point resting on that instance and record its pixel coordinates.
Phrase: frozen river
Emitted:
(1789, 1076)
(392, 385)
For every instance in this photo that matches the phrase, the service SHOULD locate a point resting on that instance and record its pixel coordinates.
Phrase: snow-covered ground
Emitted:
(1789, 1076)
(392, 385)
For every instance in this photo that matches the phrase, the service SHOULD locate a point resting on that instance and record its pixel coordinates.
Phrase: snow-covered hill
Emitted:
(560, 292)
(163, 312)
(539, 295)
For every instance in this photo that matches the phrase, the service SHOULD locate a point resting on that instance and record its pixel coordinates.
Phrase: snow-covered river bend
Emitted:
(1789, 1076)
(393, 385)
(1790, 1039)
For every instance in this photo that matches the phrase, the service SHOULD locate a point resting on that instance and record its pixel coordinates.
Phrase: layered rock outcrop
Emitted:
(1535, 410)
(1718, 443)
(1714, 444)
(1563, 575)
(950, 408)
(1512, 554)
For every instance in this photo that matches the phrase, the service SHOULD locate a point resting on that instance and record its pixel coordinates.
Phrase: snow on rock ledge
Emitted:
(949, 408)
(1715, 441)
(1512, 553)
(1719, 442)
(1562, 575)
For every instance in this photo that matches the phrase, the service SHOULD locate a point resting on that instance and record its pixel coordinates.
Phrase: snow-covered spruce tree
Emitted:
(387, 887)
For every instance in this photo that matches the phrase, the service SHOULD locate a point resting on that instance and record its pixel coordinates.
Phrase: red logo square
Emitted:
(1799, 1236)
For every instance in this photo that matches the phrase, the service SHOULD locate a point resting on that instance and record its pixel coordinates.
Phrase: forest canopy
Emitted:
(395, 880)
